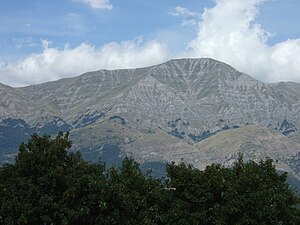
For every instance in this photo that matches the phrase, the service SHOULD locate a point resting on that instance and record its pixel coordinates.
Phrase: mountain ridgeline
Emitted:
(186, 110)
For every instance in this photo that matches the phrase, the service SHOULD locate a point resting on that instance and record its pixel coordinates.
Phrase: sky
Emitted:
(47, 40)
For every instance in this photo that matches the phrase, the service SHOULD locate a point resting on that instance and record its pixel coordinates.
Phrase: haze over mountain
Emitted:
(199, 111)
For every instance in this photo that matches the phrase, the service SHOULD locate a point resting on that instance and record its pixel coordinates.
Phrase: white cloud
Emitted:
(189, 18)
(52, 63)
(97, 4)
(228, 32)
(23, 42)
(286, 61)
(181, 11)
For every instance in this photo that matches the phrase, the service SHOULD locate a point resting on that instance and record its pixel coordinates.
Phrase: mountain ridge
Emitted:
(158, 113)
(197, 87)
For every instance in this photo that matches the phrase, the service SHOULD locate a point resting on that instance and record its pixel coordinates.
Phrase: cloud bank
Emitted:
(97, 4)
(228, 32)
(53, 64)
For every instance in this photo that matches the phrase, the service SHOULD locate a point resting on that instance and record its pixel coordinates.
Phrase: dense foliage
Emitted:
(48, 185)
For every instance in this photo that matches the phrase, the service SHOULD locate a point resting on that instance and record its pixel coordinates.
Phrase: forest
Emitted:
(49, 184)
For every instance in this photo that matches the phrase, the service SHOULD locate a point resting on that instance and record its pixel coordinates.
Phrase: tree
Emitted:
(135, 198)
(48, 185)
(247, 193)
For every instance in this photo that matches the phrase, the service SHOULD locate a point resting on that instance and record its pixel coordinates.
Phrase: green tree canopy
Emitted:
(49, 185)
(247, 193)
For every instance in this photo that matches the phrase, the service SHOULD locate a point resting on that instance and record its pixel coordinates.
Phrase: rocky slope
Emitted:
(158, 114)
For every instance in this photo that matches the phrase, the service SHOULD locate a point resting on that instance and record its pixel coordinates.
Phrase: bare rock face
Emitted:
(169, 112)
(203, 93)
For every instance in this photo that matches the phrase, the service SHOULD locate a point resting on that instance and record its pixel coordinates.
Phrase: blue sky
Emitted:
(51, 39)
(67, 21)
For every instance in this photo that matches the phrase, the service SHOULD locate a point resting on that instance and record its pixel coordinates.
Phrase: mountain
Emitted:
(162, 113)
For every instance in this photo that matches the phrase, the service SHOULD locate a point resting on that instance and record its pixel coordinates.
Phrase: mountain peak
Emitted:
(196, 62)
(160, 112)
